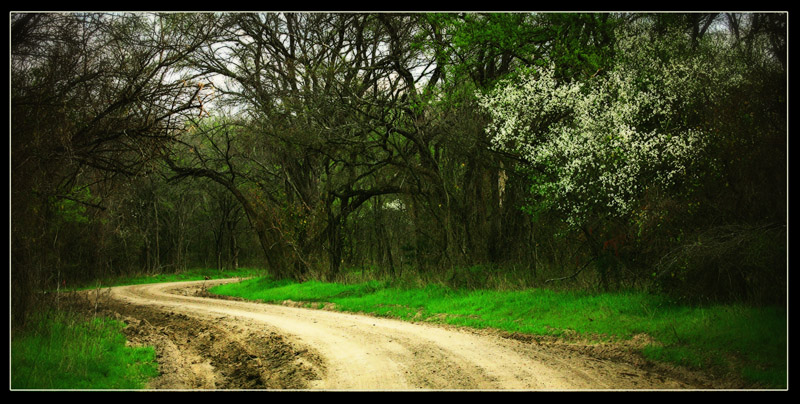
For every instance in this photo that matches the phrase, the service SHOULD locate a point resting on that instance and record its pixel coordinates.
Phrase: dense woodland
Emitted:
(610, 151)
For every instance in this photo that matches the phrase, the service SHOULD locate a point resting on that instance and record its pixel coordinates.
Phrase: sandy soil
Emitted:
(207, 343)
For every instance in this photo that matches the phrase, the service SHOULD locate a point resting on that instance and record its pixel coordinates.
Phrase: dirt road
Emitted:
(207, 343)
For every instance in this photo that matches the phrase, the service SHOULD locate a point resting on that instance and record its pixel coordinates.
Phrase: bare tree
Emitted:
(90, 93)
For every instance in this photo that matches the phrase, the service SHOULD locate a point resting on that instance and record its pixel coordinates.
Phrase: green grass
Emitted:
(747, 341)
(59, 350)
(197, 274)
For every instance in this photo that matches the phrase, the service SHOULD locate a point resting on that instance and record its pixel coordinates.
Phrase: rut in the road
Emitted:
(195, 354)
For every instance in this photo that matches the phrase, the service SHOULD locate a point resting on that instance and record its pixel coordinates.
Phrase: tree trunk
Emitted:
(233, 252)
(334, 236)
(156, 258)
(600, 264)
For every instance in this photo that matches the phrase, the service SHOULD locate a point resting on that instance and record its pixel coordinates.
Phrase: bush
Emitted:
(734, 263)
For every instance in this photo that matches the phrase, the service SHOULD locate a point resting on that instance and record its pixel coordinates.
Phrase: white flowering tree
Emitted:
(595, 146)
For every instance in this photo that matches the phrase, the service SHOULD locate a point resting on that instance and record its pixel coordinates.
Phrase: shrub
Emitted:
(733, 263)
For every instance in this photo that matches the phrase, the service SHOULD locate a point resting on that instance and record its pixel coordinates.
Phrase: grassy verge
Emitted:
(60, 350)
(746, 341)
(197, 274)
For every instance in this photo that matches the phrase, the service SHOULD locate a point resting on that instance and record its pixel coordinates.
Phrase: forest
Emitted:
(599, 151)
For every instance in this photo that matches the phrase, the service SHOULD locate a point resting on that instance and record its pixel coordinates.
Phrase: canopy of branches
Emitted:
(314, 143)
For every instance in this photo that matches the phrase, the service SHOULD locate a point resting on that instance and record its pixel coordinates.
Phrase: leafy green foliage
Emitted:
(582, 44)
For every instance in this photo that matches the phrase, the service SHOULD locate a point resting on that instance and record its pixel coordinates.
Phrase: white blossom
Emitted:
(603, 141)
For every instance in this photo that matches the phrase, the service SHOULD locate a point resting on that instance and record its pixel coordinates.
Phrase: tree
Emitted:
(327, 128)
(597, 146)
(93, 97)
(390, 140)
(613, 150)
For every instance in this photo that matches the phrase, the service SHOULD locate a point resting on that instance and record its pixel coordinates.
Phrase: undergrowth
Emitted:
(197, 274)
(63, 350)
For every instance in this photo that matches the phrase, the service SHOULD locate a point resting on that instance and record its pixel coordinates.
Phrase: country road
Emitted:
(208, 343)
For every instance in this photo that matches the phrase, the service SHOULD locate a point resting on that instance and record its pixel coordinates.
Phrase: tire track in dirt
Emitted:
(224, 344)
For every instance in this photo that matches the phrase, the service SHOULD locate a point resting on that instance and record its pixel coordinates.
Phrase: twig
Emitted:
(96, 298)
(573, 275)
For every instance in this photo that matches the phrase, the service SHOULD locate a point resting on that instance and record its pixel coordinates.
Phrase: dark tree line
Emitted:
(309, 144)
